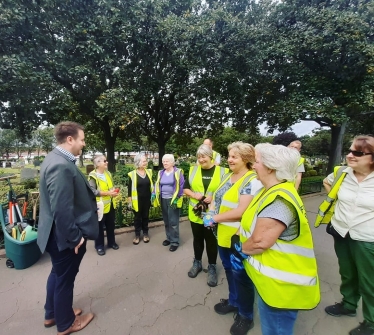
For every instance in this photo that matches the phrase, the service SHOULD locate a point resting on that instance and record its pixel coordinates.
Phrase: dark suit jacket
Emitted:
(67, 201)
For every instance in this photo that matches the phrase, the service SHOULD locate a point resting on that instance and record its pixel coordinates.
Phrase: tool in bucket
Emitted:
(17, 226)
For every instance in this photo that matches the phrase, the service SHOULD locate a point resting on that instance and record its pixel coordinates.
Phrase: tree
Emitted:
(8, 138)
(44, 139)
(323, 54)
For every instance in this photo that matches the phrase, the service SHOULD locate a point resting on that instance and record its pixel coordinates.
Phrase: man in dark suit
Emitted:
(67, 218)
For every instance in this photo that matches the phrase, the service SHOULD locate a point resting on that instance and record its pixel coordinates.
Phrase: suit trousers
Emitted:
(60, 283)
(109, 221)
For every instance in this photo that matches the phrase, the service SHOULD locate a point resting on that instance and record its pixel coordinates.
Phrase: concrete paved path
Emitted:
(145, 290)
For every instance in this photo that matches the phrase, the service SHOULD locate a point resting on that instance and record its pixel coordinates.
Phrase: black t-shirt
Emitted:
(207, 176)
(143, 186)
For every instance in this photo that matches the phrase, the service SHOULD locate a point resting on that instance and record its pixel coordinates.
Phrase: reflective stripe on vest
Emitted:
(104, 186)
(326, 209)
(197, 186)
(134, 191)
(157, 189)
(285, 275)
(292, 278)
(230, 201)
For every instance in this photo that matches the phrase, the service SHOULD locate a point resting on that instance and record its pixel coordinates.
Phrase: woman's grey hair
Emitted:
(169, 157)
(97, 160)
(279, 158)
(205, 150)
(137, 159)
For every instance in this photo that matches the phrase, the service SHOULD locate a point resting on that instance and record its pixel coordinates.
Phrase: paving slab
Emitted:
(145, 290)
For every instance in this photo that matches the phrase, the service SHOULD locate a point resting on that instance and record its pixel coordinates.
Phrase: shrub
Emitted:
(30, 183)
(312, 173)
(185, 166)
(121, 177)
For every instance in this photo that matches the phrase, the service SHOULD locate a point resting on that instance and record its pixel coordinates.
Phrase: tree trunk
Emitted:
(110, 142)
(161, 152)
(337, 135)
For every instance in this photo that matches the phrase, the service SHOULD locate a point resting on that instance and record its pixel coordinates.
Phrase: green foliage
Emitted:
(185, 166)
(312, 173)
(30, 183)
(285, 138)
(121, 176)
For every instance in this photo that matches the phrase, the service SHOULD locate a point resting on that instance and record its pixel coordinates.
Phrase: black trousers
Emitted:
(109, 221)
(141, 217)
(201, 235)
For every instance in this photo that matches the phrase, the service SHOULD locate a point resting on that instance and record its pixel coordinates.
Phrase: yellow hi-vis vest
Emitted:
(157, 189)
(104, 186)
(301, 161)
(134, 191)
(326, 209)
(285, 275)
(196, 183)
(230, 200)
(215, 153)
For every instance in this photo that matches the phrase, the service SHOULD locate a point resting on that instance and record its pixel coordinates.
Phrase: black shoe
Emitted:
(365, 328)
(100, 252)
(173, 248)
(241, 325)
(115, 246)
(166, 243)
(224, 307)
(338, 310)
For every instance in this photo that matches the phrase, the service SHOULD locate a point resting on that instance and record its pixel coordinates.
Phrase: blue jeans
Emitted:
(275, 321)
(241, 288)
(60, 283)
(171, 221)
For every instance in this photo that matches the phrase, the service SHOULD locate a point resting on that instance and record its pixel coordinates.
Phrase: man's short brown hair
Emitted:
(65, 129)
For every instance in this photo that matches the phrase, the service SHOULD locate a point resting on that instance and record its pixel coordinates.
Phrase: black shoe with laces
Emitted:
(241, 325)
(223, 307)
(339, 310)
(365, 328)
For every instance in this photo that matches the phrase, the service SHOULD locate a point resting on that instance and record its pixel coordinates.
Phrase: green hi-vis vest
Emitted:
(134, 191)
(326, 209)
(177, 176)
(196, 184)
(285, 275)
(104, 186)
(230, 200)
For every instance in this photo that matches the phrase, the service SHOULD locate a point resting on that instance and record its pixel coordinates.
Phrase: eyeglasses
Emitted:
(358, 153)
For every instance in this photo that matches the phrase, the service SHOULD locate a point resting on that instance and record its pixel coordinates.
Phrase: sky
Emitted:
(301, 128)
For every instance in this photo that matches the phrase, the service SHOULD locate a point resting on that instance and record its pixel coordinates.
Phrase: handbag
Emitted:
(100, 209)
(331, 231)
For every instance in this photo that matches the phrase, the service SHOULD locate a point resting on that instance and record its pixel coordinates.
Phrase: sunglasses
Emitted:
(358, 153)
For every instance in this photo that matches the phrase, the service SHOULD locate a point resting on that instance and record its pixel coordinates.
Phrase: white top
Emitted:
(354, 210)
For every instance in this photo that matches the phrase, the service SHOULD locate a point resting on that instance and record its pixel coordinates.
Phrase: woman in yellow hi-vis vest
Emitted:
(139, 196)
(230, 200)
(168, 193)
(276, 246)
(202, 182)
(101, 183)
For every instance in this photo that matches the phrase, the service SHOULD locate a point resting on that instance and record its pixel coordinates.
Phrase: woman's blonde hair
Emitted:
(245, 150)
